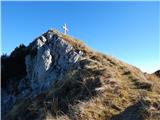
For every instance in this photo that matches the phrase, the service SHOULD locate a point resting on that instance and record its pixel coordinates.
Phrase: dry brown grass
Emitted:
(77, 44)
(103, 89)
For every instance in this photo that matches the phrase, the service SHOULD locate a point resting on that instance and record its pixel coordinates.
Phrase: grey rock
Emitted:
(7, 102)
(54, 58)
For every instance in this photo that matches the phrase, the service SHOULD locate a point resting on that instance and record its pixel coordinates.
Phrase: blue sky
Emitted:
(128, 31)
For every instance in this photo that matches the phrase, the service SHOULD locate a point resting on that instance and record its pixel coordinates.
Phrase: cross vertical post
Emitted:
(65, 28)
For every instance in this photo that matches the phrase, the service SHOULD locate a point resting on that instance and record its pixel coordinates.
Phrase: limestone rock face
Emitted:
(63, 79)
(54, 56)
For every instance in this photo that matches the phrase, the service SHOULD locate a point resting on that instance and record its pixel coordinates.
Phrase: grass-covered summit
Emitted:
(66, 80)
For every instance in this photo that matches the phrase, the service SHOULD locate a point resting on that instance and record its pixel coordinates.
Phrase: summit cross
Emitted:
(65, 28)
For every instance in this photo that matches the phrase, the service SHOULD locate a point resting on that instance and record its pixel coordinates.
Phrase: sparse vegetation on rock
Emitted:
(93, 87)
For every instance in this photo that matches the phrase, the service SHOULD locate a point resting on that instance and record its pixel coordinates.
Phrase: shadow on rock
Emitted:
(79, 87)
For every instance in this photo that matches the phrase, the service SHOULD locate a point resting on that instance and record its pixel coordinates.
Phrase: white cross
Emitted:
(65, 28)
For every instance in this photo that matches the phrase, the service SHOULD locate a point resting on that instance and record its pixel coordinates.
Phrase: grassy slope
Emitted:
(103, 89)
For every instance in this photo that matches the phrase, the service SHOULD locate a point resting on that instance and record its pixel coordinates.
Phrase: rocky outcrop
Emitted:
(63, 79)
(54, 56)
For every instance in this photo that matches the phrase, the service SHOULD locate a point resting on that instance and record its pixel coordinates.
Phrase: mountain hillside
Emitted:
(57, 77)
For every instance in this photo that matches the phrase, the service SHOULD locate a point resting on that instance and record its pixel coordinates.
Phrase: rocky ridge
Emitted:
(54, 56)
(65, 80)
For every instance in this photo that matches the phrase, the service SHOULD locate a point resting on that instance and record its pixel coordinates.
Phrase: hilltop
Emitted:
(58, 77)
